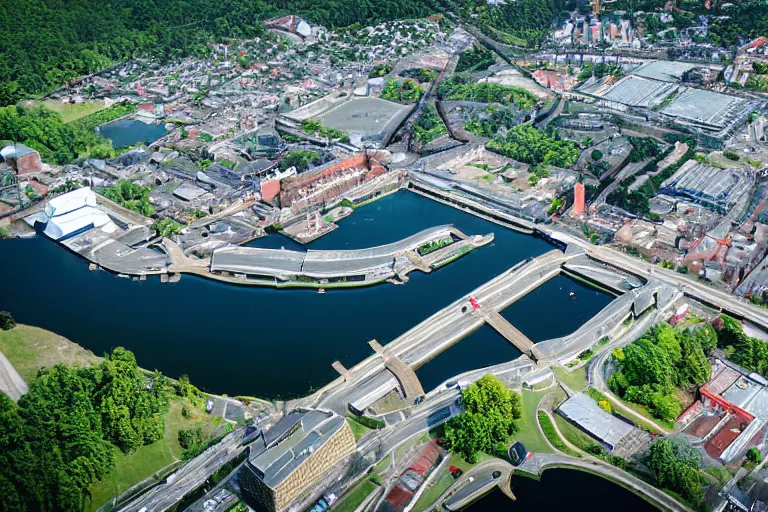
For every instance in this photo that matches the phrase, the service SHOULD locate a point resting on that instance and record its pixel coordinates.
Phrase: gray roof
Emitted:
(719, 187)
(296, 437)
(584, 412)
(285, 264)
(664, 70)
(706, 107)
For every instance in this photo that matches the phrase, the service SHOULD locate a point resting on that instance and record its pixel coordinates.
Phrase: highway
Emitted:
(190, 476)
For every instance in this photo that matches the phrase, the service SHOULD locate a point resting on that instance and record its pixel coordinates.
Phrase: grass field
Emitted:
(70, 112)
(355, 497)
(575, 436)
(553, 437)
(30, 348)
(529, 434)
(358, 430)
(147, 460)
(576, 379)
(598, 396)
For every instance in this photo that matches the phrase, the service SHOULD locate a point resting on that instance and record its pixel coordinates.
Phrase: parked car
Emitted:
(209, 405)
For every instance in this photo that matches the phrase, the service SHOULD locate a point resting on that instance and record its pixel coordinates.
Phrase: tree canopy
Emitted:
(663, 359)
(490, 416)
(60, 437)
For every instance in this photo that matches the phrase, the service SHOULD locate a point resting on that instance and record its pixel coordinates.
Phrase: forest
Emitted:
(48, 44)
(661, 361)
(63, 435)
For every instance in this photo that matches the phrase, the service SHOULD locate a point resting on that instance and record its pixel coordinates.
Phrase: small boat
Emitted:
(571, 294)
(321, 290)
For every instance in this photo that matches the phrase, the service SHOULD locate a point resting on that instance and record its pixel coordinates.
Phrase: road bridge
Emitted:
(191, 476)
(445, 328)
(403, 373)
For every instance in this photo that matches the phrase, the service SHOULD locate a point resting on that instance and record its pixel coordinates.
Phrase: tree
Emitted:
(490, 416)
(6, 321)
(675, 466)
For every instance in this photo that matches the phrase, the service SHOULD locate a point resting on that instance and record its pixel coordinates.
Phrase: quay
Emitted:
(328, 268)
(373, 378)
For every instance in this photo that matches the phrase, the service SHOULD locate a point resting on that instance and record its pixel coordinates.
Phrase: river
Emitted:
(563, 489)
(280, 343)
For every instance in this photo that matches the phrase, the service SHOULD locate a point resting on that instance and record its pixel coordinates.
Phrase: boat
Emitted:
(571, 294)
(321, 290)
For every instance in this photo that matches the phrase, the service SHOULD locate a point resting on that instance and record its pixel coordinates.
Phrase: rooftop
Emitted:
(292, 441)
(583, 411)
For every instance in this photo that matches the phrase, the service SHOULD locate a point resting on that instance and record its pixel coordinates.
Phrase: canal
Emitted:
(128, 132)
(261, 341)
(556, 308)
(575, 490)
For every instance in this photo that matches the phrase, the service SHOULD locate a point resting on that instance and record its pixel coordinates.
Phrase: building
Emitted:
(402, 494)
(22, 159)
(578, 199)
(301, 449)
(711, 187)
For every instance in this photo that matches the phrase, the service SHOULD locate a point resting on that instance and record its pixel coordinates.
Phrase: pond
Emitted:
(128, 132)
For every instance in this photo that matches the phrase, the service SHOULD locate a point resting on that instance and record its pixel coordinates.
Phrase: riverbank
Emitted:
(31, 349)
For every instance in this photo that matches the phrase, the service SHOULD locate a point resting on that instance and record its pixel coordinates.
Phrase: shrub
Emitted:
(6, 321)
(367, 421)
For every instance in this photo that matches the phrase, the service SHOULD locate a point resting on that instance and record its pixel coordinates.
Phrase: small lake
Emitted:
(128, 132)
(563, 489)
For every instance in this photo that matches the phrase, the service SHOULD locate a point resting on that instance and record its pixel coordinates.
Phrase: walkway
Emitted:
(509, 331)
(11, 382)
(543, 461)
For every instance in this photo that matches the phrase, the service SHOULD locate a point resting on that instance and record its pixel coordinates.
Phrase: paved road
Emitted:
(190, 476)
(11, 382)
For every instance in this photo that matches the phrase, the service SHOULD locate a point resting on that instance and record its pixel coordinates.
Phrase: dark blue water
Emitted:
(547, 312)
(563, 489)
(127, 132)
(550, 311)
(246, 340)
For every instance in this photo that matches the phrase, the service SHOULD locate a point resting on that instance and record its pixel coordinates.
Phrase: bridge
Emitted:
(510, 332)
(373, 377)
(403, 373)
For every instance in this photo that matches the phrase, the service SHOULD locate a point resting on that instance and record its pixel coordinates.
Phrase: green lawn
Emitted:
(441, 484)
(529, 434)
(598, 396)
(358, 430)
(552, 435)
(131, 469)
(576, 380)
(574, 436)
(70, 112)
(355, 497)
(30, 348)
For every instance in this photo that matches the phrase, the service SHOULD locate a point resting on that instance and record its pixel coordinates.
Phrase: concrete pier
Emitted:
(509, 331)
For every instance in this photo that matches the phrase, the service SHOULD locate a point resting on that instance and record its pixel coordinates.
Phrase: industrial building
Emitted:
(293, 455)
(714, 188)
(654, 93)
(614, 434)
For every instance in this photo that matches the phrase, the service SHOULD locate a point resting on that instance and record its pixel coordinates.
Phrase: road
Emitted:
(11, 382)
(190, 476)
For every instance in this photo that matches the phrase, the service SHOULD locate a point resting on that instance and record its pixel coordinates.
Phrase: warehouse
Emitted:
(718, 189)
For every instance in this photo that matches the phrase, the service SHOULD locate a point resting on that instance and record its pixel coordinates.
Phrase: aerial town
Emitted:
(410, 266)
